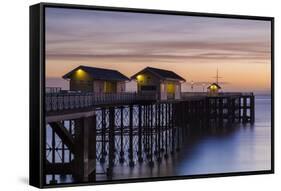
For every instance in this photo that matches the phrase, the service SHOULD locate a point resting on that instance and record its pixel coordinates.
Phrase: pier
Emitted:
(91, 133)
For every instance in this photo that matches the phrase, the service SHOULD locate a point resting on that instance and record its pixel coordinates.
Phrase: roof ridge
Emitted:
(99, 73)
(98, 68)
(161, 73)
(160, 69)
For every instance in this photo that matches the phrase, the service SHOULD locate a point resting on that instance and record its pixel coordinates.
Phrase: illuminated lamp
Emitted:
(80, 73)
(140, 78)
(214, 87)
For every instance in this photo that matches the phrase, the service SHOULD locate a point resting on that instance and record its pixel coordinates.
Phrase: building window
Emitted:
(170, 88)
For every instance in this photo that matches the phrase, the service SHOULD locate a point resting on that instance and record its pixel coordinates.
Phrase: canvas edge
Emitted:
(35, 96)
(38, 90)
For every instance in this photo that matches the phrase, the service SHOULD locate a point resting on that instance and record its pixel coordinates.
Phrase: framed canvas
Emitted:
(121, 95)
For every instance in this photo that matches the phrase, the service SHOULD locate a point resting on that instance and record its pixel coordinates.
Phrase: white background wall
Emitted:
(14, 40)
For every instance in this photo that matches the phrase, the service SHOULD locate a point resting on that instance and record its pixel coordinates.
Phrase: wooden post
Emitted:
(145, 129)
(72, 123)
(252, 108)
(186, 117)
(187, 120)
(85, 149)
(220, 112)
(244, 117)
(79, 146)
(166, 130)
(216, 108)
(162, 126)
(155, 129)
(179, 113)
(131, 138)
(184, 126)
(151, 163)
(91, 125)
(207, 113)
(191, 114)
(172, 127)
(103, 131)
(111, 142)
(121, 160)
(240, 107)
(233, 110)
(53, 181)
(158, 134)
(140, 159)
(229, 110)
(63, 151)
(148, 131)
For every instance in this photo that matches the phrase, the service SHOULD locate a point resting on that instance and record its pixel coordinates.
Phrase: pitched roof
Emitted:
(215, 84)
(162, 74)
(99, 73)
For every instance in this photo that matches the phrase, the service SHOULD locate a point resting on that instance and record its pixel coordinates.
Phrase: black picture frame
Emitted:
(37, 92)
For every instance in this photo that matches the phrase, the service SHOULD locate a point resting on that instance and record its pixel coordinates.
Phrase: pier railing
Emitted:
(52, 89)
(66, 101)
(77, 100)
(185, 95)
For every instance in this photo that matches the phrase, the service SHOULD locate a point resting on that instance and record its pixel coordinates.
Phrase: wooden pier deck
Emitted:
(89, 131)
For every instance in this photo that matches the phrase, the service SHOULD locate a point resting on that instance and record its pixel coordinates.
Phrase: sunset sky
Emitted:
(193, 47)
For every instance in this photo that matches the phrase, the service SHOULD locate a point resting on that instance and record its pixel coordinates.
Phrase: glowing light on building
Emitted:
(140, 78)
